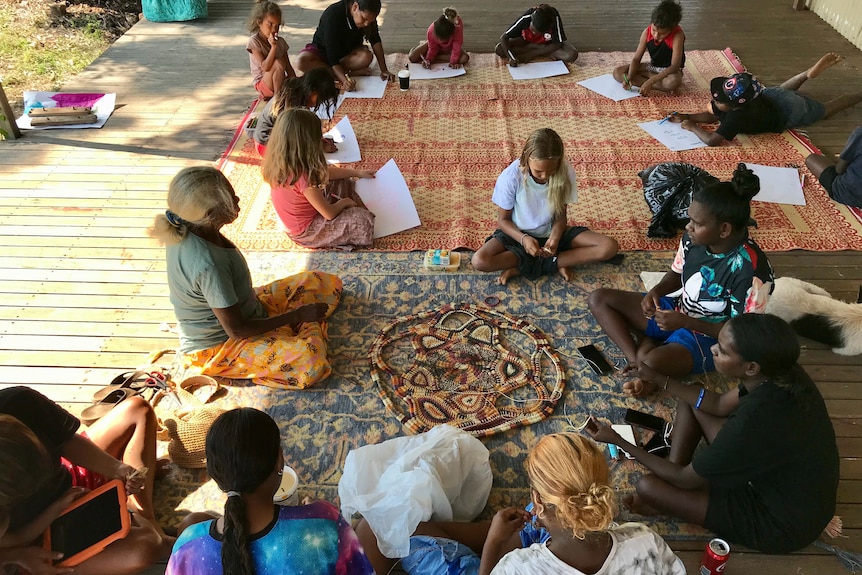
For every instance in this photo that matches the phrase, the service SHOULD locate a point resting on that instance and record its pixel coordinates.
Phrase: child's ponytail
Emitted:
(236, 556)
(730, 202)
(262, 8)
(444, 25)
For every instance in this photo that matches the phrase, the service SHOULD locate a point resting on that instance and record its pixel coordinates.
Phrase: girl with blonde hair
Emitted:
(569, 531)
(316, 203)
(443, 43)
(534, 238)
(274, 334)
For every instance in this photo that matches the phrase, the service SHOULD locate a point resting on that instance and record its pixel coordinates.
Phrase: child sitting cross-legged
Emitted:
(317, 204)
(537, 33)
(445, 38)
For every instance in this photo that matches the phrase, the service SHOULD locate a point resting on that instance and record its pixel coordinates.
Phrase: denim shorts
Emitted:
(699, 345)
(797, 109)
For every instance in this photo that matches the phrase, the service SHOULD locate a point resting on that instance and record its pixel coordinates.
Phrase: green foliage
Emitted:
(33, 57)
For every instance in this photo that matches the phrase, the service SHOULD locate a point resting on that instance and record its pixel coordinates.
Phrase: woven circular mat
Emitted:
(466, 366)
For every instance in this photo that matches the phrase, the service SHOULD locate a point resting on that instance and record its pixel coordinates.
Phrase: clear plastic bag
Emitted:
(667, 190)
(442, 475)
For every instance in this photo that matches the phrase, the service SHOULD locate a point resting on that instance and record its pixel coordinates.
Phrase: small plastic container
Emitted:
(442, 260)
(287, 493)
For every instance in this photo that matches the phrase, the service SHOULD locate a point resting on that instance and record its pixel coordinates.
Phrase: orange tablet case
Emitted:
(95, 548)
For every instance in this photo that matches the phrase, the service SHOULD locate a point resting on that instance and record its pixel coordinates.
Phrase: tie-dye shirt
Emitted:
(310, 539)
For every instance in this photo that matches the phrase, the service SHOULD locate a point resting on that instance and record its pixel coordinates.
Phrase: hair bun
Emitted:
(745, 182)
(450, 13)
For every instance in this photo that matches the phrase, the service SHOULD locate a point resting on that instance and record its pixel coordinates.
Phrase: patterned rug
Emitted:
(320, 425)
(468, 367)
(451, 139)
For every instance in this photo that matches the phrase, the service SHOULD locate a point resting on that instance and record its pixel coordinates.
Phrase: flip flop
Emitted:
(127, 380)
(101, 407)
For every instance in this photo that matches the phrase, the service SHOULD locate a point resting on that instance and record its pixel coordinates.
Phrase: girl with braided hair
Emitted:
(255, 535)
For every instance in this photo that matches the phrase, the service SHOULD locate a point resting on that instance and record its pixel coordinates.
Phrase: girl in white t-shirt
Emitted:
(534, 237)
(574, 502)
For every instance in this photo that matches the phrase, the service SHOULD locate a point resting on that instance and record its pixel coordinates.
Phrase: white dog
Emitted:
(812, 313)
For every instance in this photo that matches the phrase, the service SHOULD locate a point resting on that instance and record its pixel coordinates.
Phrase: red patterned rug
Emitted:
(451, 139)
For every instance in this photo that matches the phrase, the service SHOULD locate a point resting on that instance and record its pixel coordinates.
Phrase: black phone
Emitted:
(595, 359)
(644, 420)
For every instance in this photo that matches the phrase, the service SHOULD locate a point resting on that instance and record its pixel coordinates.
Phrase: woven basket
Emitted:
(185, 415)
(187, 432)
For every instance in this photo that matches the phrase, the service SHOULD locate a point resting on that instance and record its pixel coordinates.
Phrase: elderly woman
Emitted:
(273, 334)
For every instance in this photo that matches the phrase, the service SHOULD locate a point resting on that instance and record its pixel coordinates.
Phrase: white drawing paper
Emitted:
(323, 112)
(103, 109)
(437, 71)
(536, 70)
(367, 87)
(778, 185)
(672, 135)
(345, 140)
(609, 88)
(389, 199)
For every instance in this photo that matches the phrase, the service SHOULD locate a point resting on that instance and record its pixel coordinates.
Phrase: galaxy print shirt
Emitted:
(310, 539)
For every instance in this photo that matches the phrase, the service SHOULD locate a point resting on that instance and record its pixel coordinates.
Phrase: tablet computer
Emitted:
(90, 524)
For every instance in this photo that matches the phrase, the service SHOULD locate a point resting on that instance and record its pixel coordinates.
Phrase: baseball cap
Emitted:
(736, 89)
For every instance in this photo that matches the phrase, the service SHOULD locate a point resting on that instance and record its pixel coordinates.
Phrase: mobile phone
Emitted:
(627, 432)
(644, 420)
(595, 359)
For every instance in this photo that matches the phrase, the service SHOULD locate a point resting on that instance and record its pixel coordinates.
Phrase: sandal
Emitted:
(129, 379)
(101, 407)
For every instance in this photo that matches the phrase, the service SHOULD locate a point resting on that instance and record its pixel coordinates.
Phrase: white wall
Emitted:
(843, 15)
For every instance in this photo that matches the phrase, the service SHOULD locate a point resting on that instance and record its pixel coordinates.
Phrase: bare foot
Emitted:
(824, 63)
(566, 273)
(361, 72)
(507, 275)
(639, 387)
(634, 504)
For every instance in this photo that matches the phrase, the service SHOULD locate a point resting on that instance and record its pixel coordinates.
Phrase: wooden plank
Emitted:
(50, 343)
(38, 287)
(45, 314)
(85, 276)
(74, 328)
(84, 263)
(74, 302)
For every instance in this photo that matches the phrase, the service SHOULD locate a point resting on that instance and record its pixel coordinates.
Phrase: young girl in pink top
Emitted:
(316, 203)
(267, 51)
(445, 38)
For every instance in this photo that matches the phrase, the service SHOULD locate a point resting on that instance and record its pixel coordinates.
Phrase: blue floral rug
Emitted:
(321, 425)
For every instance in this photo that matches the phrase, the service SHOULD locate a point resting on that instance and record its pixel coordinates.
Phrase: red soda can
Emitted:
(715, 557)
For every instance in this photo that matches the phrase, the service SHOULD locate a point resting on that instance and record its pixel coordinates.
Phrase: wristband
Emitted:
(700, 398)
(522, 238)
(666, 381)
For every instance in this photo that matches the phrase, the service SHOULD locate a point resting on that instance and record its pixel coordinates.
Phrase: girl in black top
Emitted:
(339, 42)
(768, 478)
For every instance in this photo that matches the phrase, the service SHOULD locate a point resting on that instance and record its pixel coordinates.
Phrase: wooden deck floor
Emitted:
(82, 289)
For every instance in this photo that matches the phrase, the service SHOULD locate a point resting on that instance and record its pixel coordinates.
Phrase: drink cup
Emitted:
(287, 492)
(404, 79)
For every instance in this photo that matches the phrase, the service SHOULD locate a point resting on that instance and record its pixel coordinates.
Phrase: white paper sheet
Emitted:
(103, 110)
(389, 199)
(437, 71)
(322, 111)
(345, 139)
(367, 87)
(536, 70)
(672, 135)
(609, 88)
(778, 185)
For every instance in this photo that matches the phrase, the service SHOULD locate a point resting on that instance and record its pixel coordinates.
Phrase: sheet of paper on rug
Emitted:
(102, 105)
(672, 135)
(651, 279)
(608, 87)
(367, 87)
(323, 112)
(437, 71)
(389, 199)
(345, 139)
(536, 70)
(778, 185)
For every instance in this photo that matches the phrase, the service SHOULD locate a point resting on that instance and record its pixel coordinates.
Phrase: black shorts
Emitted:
(532, 267)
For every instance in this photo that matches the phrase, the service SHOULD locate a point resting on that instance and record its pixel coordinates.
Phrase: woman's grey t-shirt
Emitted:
(203, 276)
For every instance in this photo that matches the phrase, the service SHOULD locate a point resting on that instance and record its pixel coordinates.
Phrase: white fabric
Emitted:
(636, 550)
(528, 200)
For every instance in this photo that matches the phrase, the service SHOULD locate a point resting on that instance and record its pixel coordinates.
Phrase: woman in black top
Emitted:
(769, 476)
(339, 42)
